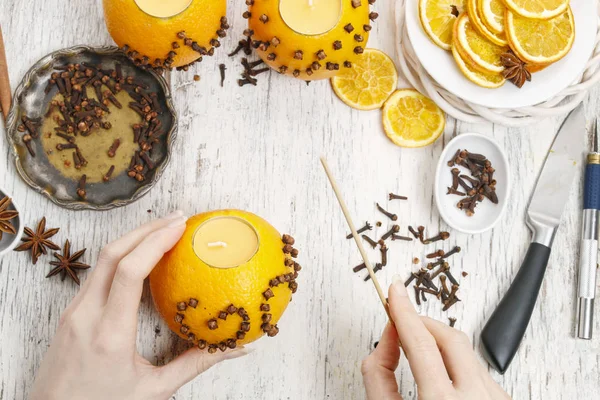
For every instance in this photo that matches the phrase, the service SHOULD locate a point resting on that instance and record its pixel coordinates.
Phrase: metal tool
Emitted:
(588, 256)
(502, 334)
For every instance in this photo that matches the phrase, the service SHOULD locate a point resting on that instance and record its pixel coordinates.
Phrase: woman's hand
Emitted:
(93, 355)
(441, 358)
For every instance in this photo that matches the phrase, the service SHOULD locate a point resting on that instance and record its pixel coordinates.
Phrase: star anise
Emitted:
(6, 216)
(515, 70)
(67, 264)
(38, 241)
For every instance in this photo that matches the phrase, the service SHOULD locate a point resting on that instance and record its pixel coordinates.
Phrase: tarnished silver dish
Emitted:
(31, 99)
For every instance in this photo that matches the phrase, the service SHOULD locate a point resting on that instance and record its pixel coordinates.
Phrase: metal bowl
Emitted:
(30, 99)
(9, 242)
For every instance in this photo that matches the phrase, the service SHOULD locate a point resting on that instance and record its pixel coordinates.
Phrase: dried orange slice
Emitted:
(538, 9)
(492, 14)
(540, 41)
(437, 18)
(475, 17)
(369, 83)
(486, 80)
(411, 119)
(483, 54)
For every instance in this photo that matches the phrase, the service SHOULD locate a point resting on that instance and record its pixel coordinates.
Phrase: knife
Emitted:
(503, 332)
(588, 253)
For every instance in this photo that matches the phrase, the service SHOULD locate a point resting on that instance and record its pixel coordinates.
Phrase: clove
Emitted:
(393, 196)
(366, 227)
(370, 241)
(391, 216)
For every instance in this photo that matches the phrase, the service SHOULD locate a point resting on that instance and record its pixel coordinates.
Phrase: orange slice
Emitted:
(411, 119)
(538, 9)
(437, 18)
(486, 80)
(369, 83)
(540, 41)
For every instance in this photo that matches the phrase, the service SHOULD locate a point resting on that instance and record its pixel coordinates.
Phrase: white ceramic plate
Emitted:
(9, 242)
(486, 213)
(545, 84)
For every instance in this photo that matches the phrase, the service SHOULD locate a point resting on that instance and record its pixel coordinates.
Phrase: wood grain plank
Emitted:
(257, 149)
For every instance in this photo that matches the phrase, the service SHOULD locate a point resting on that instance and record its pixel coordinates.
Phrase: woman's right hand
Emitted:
(441, 358)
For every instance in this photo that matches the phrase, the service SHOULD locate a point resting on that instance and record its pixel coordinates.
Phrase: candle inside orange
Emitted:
(310, 17)
(163, 8)
(225, 242)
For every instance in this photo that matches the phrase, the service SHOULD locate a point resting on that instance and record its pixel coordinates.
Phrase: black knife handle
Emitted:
(502, 334)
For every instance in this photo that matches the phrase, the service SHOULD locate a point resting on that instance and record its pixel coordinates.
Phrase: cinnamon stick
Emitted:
(5, 92)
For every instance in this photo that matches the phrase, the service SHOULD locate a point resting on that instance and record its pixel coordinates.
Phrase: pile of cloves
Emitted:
(250, 70)
(82, 115)
(392, 235)
(437, 265)
(424, 280)
(477, 186)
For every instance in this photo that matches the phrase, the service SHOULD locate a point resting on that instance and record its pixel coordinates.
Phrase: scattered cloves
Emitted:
(391, 216)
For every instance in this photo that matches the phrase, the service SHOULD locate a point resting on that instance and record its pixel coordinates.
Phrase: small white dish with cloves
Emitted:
(9, 241)
(472, 183)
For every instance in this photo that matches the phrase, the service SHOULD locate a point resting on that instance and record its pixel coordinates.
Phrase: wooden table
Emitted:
(257, 149)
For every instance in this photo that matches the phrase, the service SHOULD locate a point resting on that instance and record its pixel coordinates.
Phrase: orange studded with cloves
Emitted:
(286, 48)
(175, 41)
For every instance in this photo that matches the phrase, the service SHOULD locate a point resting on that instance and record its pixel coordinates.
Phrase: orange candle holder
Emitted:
(309, 39)
(227, 281)
(166, 35)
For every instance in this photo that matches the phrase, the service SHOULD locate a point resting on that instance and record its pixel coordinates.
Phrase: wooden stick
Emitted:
(5, 93)
(363, 253)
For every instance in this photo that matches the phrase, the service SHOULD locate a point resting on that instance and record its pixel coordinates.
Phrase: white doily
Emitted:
(466, 111)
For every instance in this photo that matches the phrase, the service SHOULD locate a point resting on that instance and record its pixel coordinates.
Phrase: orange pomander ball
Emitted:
(220, 308)
(171, 42)
(308, 57)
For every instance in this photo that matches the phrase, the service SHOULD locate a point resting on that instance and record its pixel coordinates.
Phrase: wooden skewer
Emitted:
(5, 94)
(356, 237)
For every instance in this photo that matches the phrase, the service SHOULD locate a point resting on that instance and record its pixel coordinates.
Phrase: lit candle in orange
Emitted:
(310, 17)
(225, 242)
(163, 8)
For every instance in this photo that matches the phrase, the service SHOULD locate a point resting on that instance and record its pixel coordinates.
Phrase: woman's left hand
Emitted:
(93, 355)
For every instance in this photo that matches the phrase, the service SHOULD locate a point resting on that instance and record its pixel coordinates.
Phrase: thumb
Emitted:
(192, 363)
(378, 368)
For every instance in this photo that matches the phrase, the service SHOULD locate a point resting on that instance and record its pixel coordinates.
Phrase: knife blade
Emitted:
(504, 331)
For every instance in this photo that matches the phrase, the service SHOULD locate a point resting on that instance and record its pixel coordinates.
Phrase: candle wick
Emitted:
(217, 244)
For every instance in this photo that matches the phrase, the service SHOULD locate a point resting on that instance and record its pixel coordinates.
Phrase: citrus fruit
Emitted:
(486, 80)
(411, 119)
(159, 41)
(369, 83)
(217, 307)
(437, 18)
(538, 9)
(483, 54)
(540, 41)
(309, 56)
(482, 29)
(492, 14)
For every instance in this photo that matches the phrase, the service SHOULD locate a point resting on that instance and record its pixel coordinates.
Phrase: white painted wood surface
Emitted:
(257, 149)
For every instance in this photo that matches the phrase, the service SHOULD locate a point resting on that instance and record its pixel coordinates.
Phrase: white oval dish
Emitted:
(9, 242)
(544, 84)
(486, 213)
